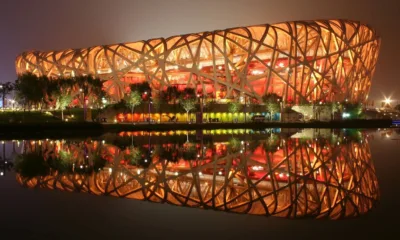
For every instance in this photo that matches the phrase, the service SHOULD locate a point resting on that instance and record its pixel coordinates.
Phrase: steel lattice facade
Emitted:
(302, 61)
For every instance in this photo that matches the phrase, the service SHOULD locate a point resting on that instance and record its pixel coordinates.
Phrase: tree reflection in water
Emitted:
(271, 174)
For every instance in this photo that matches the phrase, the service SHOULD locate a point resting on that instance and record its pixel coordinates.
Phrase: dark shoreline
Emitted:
(62, 129)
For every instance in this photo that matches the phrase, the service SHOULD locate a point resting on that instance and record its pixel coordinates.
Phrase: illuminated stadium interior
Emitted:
(302, 61)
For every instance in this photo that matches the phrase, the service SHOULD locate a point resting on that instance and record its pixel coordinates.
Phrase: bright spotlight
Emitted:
(388, 100)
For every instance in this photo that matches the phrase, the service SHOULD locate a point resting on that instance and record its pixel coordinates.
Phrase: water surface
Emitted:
(308, 174)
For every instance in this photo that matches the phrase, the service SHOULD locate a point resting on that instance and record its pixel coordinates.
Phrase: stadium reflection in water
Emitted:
(293, 175)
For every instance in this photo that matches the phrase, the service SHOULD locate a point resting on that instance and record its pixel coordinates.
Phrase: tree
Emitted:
(143, 88)
(29, 89)
(211, 106)
(172, 93)
(31, 165)
(188, 151)
(90, 85)
(272, 103)
(5, 89)
(354, 109)
(234, 107)
(272, 108)
(144, 91)
(188, 100)
(62, 102)
(234, 145)
(188, 93)
(271, 144)
(63, 163)
(318, 109)
(48, 85)
(60, 91)
(335, 107)
(188, 104)
(157, 102)
(91, 88)
(133, 99)
(134, 155)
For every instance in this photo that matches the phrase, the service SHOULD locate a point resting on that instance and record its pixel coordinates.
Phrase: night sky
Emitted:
(60, 24)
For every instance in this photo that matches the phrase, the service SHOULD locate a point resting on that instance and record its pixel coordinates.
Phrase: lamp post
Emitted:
(149, 105)
(145, 97)
(245, 109)
(150, 102)
(84, 104)
(280, 103)
(201, 106)
(3, 95)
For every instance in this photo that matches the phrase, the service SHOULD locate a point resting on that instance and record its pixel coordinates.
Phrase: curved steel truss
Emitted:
(301, 61)
(298, 179)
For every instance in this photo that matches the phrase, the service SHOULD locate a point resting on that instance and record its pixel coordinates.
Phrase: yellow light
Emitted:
(388, 100)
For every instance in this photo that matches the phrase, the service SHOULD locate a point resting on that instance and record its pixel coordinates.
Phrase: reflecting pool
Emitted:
(276, 172)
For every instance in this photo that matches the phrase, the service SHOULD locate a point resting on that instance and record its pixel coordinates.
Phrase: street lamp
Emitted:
(1, 88)
(387, 101)
(84, 103)
(150, 102)
(245, 108)
(200, 97)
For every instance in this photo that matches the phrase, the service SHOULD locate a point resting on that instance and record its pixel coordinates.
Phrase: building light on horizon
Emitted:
(388, 101)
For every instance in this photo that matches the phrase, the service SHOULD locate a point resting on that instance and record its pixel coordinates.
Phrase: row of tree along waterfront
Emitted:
(43, 93)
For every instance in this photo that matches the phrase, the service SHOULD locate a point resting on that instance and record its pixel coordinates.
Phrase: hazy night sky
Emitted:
(60, 24)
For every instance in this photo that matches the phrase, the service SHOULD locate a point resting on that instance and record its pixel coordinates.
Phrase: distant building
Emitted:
(291, 116)
(381, 114)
